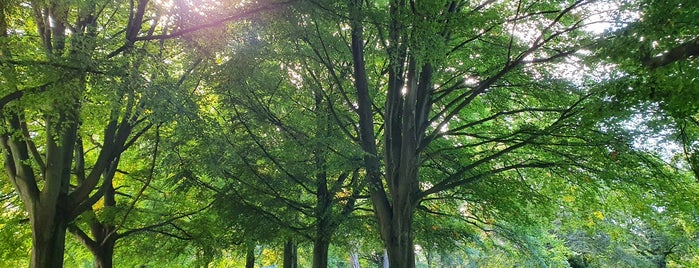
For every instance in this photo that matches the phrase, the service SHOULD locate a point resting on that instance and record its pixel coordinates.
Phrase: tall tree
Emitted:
(42, 115)
(452, 80)
(283, 157)
(71, 72)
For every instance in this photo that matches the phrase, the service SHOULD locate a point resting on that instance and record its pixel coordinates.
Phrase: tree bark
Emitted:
(399, 243)
(48, 239)
(320, 252)
(105, 256)
(354, 259)
(325, 224)
(385, 263)
(103, 250)
(104, 234)
(290, 255)
(101, 245)
(250, 256)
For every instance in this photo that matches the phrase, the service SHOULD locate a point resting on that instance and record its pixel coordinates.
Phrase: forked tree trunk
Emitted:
(102, 242)
(323, 208)
(393, 194)
(104, 235)
(104, 232)
(48, 216)
(661, 260)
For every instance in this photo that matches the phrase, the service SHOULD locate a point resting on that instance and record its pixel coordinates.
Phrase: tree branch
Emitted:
(83, 237)
(219, 22)
(683, 51)
(162, 223)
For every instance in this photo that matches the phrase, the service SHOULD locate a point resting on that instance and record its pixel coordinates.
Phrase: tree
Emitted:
(42, 116)
(79, 80)
(437, 94)
(454, 113)
(631, 233)
(281, 158)
(456, 80)
(655, 65)
(651, 64)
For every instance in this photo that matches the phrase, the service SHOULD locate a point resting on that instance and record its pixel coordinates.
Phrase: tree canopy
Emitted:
(348, 133)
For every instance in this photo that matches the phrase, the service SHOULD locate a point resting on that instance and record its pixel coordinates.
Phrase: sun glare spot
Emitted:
(166, 4)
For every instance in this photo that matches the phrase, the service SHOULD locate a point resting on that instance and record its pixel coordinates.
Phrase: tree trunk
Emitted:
(429, 257)
(104, 235)
(325, 225)
(42, 172)
(104, 258)
(103, 250)
(399, 244)
(102, 243)
(250, 256)
(48, 239)
(385, 263)
(395, 192)
(354, 260)
(320, 252)
(290, 254)
(661, 261)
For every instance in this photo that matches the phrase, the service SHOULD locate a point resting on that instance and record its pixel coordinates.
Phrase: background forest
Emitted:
(349, 133)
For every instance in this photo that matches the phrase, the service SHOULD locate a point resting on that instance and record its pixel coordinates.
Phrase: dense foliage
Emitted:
(328, 133)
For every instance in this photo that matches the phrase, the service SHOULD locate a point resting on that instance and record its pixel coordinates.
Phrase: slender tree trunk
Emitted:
(385, 263)
(104, 236)
(104, 260)
(290, 254)
(102, 242)
(250, 256)
(429, 257)
(105, 232)
(354, 259)
(662, 264)
(323, 210)
(324, 228)
(661, 261)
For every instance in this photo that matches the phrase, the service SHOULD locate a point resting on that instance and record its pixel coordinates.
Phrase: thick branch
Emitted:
(83, 237)
(683, 51)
